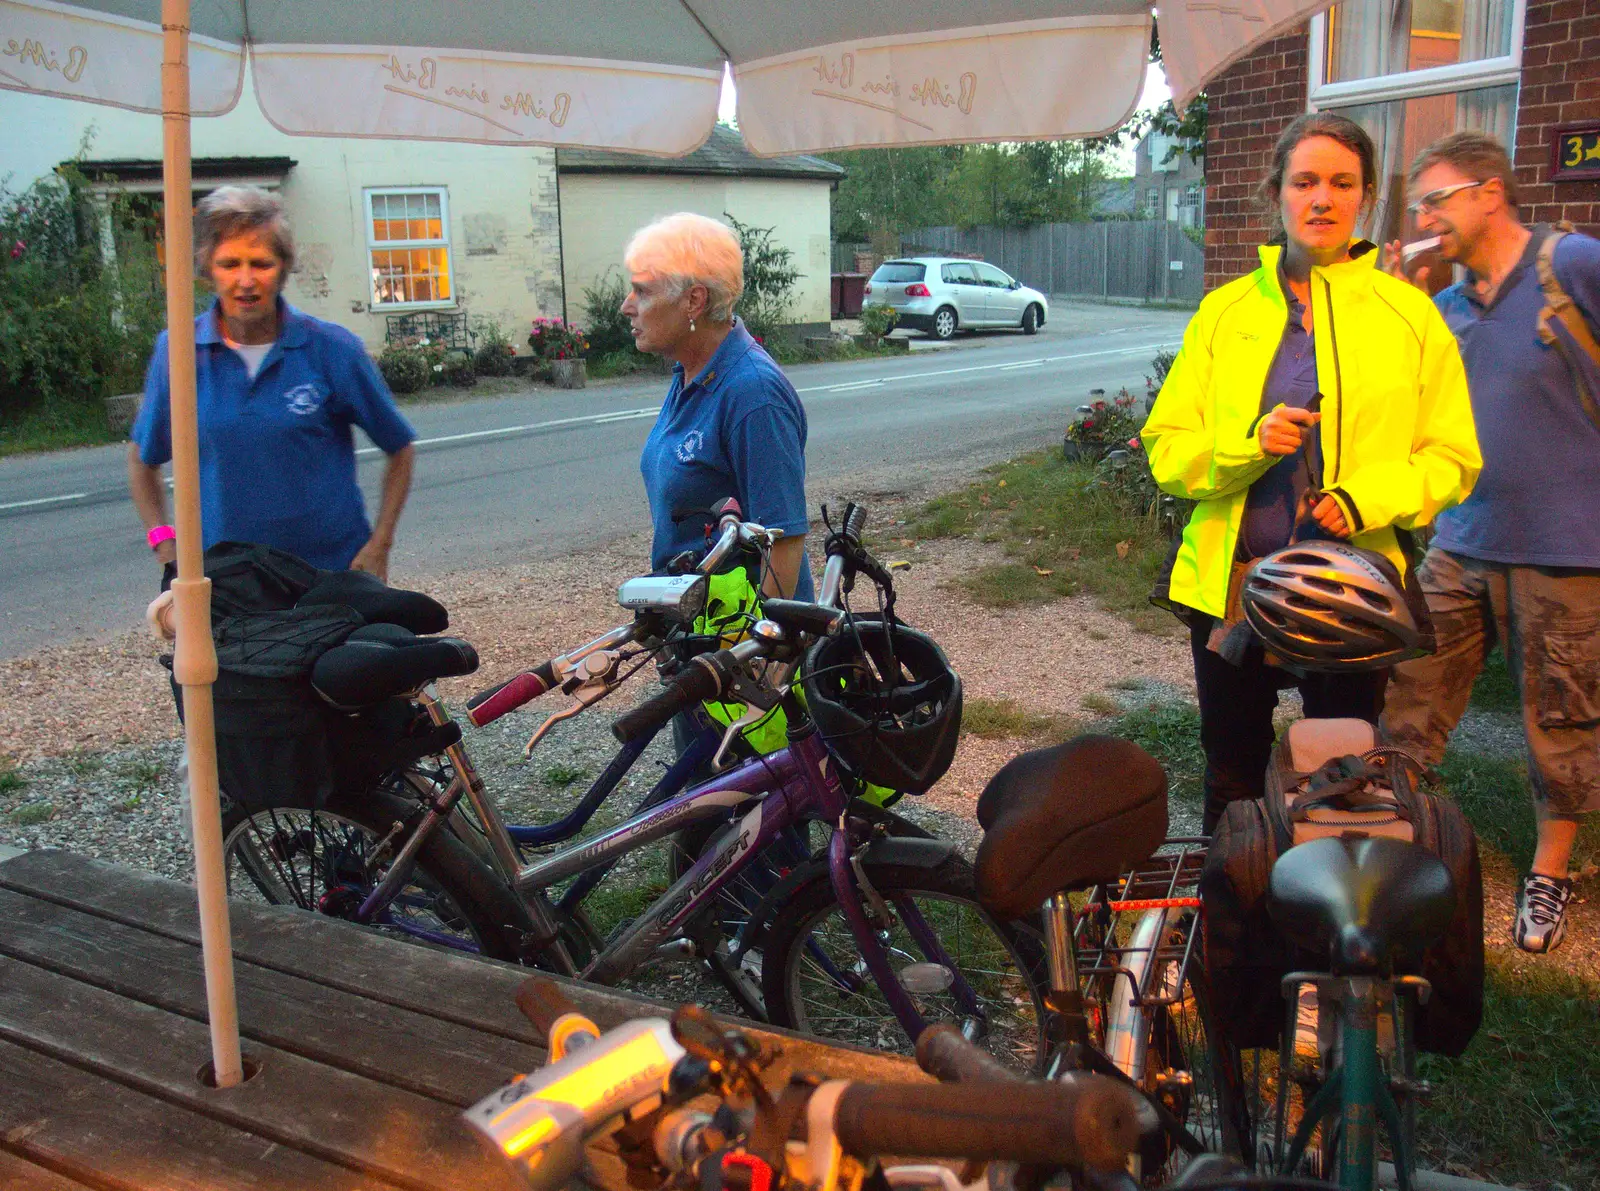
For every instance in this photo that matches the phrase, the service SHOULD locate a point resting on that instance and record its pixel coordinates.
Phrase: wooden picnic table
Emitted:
(369, 1047)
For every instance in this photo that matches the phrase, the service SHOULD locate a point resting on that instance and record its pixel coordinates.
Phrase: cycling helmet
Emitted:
(887, 703)
(1331, 606)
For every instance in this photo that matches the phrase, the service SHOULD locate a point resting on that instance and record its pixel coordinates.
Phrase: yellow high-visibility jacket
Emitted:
(1398, 443)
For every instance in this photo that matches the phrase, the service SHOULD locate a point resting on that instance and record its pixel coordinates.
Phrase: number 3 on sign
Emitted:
(1579, 149)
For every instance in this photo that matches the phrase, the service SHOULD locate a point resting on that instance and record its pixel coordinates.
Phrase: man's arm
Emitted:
(374, 556)
(150, 500)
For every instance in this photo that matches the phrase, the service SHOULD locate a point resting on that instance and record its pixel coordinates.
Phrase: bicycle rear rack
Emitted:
(1105, 927)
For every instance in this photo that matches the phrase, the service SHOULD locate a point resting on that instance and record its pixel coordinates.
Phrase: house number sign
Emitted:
(1575, 152)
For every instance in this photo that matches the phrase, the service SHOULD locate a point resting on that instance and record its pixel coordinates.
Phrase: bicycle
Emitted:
(432, 864)
(1086, 822)
(642, 1086)
(1371, 904)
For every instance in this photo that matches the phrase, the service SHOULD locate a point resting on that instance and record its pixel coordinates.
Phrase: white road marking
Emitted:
(45, 500)
(621, 415)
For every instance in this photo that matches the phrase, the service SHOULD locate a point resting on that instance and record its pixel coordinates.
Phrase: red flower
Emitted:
(1088, 423)
(18, 250)
(1134, 444)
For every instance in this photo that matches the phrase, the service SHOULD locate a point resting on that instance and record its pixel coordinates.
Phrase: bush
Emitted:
(458, 370)
(405, 368)
(556, 339)
(494, 352)
(878, 319)
(769, 279)
(1160, 365)
(1107, 423)
(609, 332)
(74, 328)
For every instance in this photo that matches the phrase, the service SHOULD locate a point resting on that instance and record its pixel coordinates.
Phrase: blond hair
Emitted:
(687, 249)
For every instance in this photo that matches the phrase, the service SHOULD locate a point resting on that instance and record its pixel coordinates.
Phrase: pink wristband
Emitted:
(161, 533)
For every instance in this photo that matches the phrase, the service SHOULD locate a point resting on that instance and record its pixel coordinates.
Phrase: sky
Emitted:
(1156, 92)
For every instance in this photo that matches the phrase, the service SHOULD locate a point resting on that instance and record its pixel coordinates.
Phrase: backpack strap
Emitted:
(1558, 305)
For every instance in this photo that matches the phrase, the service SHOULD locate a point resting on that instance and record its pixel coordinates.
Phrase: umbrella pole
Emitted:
(194, 657)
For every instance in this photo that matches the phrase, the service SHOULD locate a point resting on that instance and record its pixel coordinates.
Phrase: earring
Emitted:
(691, 326)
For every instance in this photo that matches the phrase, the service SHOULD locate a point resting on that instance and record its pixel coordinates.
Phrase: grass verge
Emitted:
(57, 429)
(1062, 534)
(1006, 719)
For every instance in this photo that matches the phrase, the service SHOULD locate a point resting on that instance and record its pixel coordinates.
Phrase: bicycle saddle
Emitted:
(1067, 817)
(1364, 901)
(379, 661)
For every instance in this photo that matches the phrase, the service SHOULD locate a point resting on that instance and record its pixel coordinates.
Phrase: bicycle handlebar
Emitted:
(702, 678)
(1092, 1121)
(944, 1053)
(487, 706)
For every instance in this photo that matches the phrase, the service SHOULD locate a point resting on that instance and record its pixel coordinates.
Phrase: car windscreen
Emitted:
(898, 273)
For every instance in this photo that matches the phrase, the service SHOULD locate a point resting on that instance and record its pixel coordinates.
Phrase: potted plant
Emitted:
(1100, 426)
(561, 346)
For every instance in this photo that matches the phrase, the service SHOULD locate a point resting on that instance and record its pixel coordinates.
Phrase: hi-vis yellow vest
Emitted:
(732, 605)
(1398, 443)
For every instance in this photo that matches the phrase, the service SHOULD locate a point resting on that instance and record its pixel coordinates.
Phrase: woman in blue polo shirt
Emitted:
(277, 393)
(732, 424)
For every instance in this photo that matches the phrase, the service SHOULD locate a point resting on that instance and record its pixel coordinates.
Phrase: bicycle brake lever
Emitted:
(752, 715)
(586, 695)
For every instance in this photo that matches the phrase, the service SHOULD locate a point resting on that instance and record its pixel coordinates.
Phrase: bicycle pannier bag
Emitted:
(1334, 777)
(273, 616)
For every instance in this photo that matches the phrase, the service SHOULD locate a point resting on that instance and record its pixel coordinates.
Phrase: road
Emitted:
(501, 479)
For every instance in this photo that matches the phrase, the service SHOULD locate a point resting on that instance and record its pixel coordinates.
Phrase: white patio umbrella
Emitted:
(640, 75)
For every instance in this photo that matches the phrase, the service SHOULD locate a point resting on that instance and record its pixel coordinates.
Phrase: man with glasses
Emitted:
(1518, 562)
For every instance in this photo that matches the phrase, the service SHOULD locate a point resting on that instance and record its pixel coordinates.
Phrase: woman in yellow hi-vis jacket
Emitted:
(1316, 374)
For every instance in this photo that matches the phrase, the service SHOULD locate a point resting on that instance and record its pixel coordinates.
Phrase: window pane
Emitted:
(1403, 128)
(1371, 38)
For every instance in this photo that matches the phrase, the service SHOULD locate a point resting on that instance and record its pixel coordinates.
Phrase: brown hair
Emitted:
(1339, 128)
(234, 210)
(1478, 156)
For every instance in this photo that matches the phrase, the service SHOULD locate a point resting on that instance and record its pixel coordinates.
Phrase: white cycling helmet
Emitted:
(1331, 606)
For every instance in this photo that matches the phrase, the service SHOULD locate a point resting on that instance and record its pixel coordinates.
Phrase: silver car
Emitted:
(941, 295)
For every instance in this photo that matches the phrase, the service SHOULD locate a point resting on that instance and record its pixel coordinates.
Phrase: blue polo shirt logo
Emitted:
(305, 400)
(690, 445)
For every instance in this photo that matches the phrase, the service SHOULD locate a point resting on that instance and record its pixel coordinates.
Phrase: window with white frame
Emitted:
(1412, 71)
(408, 243)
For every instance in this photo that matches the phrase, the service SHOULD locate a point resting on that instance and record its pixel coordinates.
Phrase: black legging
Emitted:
(1236, 705)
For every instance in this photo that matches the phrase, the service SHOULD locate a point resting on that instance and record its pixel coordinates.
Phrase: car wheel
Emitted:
(944, 323)
(1030, 320)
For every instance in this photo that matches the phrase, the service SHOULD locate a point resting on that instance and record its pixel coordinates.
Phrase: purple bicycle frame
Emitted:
(799, 783)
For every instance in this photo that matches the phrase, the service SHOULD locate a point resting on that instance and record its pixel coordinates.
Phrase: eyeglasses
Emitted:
(1435, 199)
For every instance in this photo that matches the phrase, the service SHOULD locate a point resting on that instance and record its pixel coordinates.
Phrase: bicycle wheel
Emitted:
(815, 980)
(1170, 1047)
(721, 934)
(327, 860)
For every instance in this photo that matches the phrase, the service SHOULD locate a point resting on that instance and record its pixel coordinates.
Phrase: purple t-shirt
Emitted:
(1270, 504)
(1535, 502)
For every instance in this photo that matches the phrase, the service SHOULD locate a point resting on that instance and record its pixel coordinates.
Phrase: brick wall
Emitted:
(1560, 84)
(1249, 106)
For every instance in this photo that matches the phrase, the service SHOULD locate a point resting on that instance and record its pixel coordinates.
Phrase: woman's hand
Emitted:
(1281, 433)
(1330, 517)
(373, 558)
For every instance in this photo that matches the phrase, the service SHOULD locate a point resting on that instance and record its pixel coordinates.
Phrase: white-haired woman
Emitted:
(732, 424)
(278, 392)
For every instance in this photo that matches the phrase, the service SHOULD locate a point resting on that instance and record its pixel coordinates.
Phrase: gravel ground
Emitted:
(94, 760)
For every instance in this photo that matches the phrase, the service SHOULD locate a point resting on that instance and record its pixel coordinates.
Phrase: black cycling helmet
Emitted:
(1331, 606)
(887, 703)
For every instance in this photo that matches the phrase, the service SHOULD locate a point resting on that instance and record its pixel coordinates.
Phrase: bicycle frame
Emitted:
(1356, 1094)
